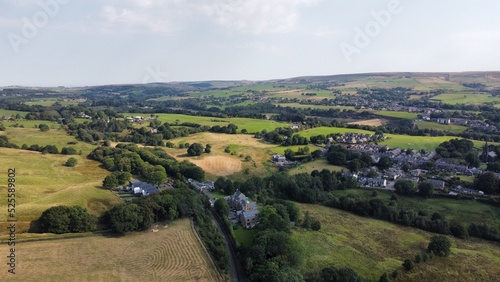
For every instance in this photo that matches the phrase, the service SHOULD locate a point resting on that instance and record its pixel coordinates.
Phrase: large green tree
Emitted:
(195, 149)
(63, 219)
(487, 182)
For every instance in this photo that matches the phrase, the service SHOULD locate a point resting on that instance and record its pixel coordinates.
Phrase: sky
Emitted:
(96, 42)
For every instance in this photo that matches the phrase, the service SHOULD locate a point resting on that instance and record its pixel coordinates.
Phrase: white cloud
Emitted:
(248, 17)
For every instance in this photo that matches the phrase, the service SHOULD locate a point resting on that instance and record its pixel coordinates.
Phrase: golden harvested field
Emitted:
(42, 181)
(218, 165)
(171, 254)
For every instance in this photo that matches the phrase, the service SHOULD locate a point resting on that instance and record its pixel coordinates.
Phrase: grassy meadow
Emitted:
(466, 98)
(171, 254)
(43, 181)
(309, 106)
(57, 137)
(403, 115)
(464, 211)
(372, 247)
(451, 128)
(252, 125)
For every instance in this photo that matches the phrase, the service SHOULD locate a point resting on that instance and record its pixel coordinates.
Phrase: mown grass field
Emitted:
(315, 165)
(171, 254)
(451, 128)
(251, 125)
(403, 115)
(42, 181)
(372, 247)
(12, 113)
(331, 130)
(466, 98)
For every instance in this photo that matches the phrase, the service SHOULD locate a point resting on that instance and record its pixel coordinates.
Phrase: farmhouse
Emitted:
(142, 188)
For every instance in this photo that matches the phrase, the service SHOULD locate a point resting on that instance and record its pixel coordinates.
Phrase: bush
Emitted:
(408, 264)
(71, 162)
(43, 127)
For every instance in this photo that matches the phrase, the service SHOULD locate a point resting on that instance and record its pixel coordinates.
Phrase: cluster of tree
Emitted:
(487, 182)
(302, 154)
(145, 162)
(196, 149)
(4, 142)
(229, 129)
(337, 155)
(438, 246)
(119, 178)
(274, 254)
(303, 187)
(408, 188)
(63, 219)
(455, 148)
(170, 205)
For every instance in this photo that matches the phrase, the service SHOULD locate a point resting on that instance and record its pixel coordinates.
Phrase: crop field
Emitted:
(252, 125)
(403, 115)
(372, 247)
(43, 181)
(172, 253)
(451, 128)
(466, 98)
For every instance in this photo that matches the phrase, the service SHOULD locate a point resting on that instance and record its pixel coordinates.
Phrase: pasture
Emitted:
(220, 163)
(57, 137)
(251, 125)
(171, 254)
(372, 247)
(315, 165)
(451, 128)
(42, 181)
(403, 115)
(331, 130)
(466, 98)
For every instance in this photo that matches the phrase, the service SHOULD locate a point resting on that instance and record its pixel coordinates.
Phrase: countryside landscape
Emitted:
(355, 177)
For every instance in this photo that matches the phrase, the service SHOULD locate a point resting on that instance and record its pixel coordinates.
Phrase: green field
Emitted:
(252, 125)
(451, 128)
(57, 137)
(372, 247)
(331, 130)
(309, 106)
(42, 181)
(315, 165)
(466, 98)
(403, 115)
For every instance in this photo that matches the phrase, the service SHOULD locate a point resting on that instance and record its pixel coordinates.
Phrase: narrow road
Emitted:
(237, 274)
